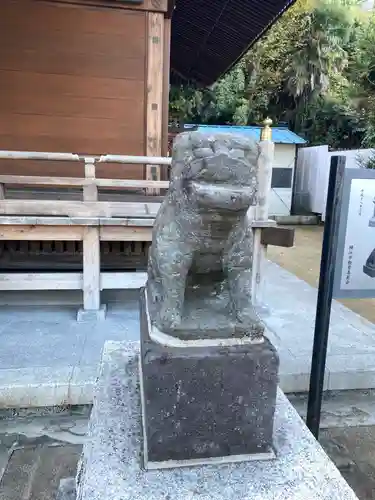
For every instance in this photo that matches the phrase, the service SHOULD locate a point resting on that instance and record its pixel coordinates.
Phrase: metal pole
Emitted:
(323, 307)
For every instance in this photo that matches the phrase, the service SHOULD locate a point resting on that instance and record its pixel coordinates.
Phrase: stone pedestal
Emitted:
(110, 468)
(204, 404)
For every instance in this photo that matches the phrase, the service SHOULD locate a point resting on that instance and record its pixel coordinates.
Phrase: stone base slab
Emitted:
(111, 464)
(84, 315)
(204, 404)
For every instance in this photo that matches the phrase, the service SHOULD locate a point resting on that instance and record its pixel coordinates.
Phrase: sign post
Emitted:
(326, 280)
(347, 268)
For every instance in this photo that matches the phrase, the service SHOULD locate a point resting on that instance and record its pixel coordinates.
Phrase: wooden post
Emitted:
(166, 83)
(154, 97)
(91, 255)
(261, 213)
(90, 192)
(91, 269)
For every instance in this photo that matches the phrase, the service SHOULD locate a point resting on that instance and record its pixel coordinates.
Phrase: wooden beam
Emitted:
(278, 236)
(166, 75)
(77, 182)
(40, 281)
(70, 281)
(143, 5)
(125, 233)
(154, 96)
(43, 181)
(90, 190)
(41, 233)
(123, 281)
(73, 233)
(6, 220)
(91, 269)
(126, 221)
(156, 5)
(78, 208)
(171, 7)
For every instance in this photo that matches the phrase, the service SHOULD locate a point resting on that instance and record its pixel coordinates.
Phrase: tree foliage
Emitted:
(314, 70)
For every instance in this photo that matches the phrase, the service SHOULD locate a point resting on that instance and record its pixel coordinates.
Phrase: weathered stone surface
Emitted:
(111, 469)
(202, 240)
(67, 489)
(207, 402)
(33, 472)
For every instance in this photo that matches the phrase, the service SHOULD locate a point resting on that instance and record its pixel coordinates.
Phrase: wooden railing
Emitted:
(92, 221)
(88, 220)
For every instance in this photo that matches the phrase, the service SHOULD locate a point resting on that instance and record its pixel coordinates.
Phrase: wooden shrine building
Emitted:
(83, 102)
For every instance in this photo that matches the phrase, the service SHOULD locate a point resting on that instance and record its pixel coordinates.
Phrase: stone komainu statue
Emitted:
(202, 239)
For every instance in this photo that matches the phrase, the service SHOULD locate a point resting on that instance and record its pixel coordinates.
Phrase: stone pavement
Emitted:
(36, 452)
(303, 260)
(348, 436)
(38, 448)
(47, 358)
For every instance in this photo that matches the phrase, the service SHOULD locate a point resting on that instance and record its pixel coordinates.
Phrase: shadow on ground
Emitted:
(352, 449)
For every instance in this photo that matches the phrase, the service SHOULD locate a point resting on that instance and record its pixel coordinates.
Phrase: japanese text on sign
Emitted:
(350, 263)
(361, 196)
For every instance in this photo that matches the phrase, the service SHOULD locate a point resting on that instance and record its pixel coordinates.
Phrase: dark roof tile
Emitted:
(209, 36)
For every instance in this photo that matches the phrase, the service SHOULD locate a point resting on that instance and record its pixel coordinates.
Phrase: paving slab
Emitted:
(37, 450)
(352, 451)
(34, 473)
(47, 358)
(291, 303)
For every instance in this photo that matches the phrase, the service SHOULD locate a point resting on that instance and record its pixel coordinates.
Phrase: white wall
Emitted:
(312, 176)
(285, 155)
(281, 198)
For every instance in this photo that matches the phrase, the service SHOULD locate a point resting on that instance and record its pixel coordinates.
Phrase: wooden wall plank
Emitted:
(154, 97)
(46, 104)
(70, 169)
(64, 85)
(82, 18)
(86, 128)
(119, 66)
(72, 82)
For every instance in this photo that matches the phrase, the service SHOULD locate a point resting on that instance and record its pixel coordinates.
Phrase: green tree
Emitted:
(314, 69)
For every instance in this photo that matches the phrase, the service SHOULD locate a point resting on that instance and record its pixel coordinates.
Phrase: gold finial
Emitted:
(266, 132)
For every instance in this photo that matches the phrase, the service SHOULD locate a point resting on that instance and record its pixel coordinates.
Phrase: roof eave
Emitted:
(261, 34)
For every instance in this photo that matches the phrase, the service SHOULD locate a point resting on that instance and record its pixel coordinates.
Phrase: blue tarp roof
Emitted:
(280, 135)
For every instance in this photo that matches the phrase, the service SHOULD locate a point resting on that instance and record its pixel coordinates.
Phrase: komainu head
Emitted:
(214, 172)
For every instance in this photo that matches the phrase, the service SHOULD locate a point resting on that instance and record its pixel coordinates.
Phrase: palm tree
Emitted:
(320, 53)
